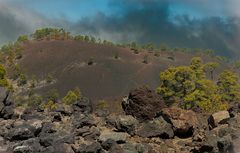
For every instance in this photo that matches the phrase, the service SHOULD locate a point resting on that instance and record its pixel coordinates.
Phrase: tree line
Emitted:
(189, 87)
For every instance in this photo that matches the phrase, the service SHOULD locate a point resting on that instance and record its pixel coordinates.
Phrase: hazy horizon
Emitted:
(194, 24)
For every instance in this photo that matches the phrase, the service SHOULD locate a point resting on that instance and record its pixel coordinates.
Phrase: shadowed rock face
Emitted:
(183, 121)
(3, 94)
(218, 118)
(143, 103)
(75, 129)
(6, 106)
(155, 128)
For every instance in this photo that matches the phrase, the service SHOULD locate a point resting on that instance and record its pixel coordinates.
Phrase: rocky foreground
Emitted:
(148, 127)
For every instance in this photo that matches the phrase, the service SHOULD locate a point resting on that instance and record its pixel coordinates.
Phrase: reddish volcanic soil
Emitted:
(107, 77)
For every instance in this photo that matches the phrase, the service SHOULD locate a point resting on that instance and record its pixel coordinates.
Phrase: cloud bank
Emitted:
(143, 21)
(16, 20)
(152, 21)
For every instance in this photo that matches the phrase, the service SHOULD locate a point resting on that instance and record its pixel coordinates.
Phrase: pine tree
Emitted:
(228, 86)
(211, 66)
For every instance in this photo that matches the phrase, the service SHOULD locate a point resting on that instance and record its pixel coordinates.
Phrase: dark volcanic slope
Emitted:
(107, 78)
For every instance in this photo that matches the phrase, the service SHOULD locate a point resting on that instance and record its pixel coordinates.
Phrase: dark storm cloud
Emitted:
(152, 21)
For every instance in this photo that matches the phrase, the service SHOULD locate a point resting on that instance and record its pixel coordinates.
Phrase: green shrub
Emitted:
(10, 88)
(70, 98)
(51, 33)
(34, 101)
(102, 104)
(134, 47)
(16, 72)
(78, 93)
(164, 47)
(92, 39)
(22, 38)
(145, 59)
(228, 86)
(3, 79)
(79, 37)
(49, 78)
(33, 83)
(86, 38)
(149, 47)
(50, 105)
(2, 72)
(30, 92)
(210, 52)
(177, 82)
(188, 85)
(22, 80)
(206, 96)
(20, 101)
(210, 67)
(236, 64)
(213, 105)
(18, 53)
(52, 95)
(198, 67)
(3, 82)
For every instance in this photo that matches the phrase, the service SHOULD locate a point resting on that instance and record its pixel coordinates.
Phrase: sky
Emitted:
(204, 24)
(73, 10)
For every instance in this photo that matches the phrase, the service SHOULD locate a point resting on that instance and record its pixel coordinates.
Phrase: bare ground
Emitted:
(107, 78)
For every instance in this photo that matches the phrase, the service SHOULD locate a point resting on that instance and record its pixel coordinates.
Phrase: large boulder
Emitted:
(1, 106)
(213, 143)
(31, 114)
(123, 123)
(47, 128)
(3, 146)
(81, 120)
(183, 121)
(84, 105)
(56, 139)
(116, 148)
(102, 112)
(62, 148)
(218, 118)
(47, 140)
(7, 112)
(108, 144)
(143, 103)
(155, 128)
(4, 94)
(94, 147)
(56, 117)
(21, 132)
(225, 144)
(6, 106)
(65, 110)
(23, 149)
(30, 145)
(119, 137)
(49, 137)
(234, 110)
(88, 133)
(129, 148)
